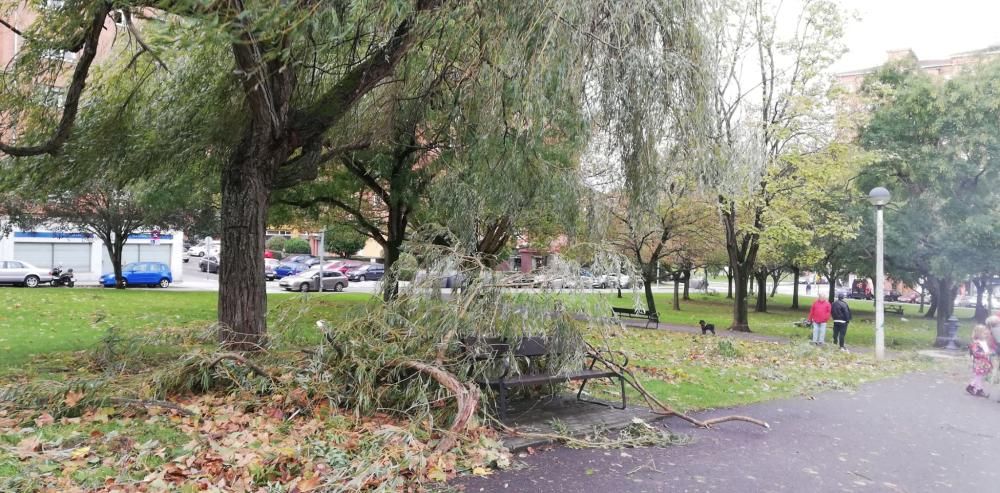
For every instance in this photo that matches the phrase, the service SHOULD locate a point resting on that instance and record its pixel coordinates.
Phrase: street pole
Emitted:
(322, 243)
(879, 293)
(879, 197)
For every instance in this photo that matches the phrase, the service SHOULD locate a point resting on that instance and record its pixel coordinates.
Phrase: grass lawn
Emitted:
(36, 321)
(267, 442)
(690, 372)
(908, 331)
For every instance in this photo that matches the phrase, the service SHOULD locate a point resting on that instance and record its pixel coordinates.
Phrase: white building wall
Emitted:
(44, 236)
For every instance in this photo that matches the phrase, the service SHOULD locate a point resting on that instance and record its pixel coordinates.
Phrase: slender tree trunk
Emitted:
(832, 293)
(115, 249)
(687, 285)
(677, 286)
(921, 310)
(981, 311)
(932, 286)
(246, 192)
(741, 315)
(775, 279)
(795, 287)
(729, 279)
(648, 277)
(390, 280)
(945, 309)
(394, 245)
(761, 278)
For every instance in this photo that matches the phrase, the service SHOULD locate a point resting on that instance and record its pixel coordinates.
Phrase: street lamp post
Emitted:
(879, 197)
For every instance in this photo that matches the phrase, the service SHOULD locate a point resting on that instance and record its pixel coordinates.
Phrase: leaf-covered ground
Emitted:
(285, 445)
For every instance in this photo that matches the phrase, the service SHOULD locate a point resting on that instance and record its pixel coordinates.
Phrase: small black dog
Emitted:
(706, 328)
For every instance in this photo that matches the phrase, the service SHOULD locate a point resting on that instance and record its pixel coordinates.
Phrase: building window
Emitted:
(56, 54)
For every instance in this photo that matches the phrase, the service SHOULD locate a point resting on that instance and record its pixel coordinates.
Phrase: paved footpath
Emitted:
(915, 433)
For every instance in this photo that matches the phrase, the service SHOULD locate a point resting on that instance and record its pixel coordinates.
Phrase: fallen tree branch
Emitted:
(466, 395)
(152, 403)
(243, 361)
(660, 408)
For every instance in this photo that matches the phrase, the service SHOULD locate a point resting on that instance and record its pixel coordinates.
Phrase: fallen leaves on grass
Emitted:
(233, 446)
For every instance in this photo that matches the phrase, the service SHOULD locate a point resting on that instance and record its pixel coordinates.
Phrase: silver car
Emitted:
(22, 274)
(309, 281)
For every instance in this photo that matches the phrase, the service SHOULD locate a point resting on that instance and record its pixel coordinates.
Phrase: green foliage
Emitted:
(939, 155)
(343, 240)
(297, 245)
(276, 243)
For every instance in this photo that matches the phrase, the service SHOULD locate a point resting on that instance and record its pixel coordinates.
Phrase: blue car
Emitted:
(286, 269)
(141, 274)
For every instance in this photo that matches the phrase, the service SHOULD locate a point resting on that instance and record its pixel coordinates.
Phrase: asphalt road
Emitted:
(916, 433)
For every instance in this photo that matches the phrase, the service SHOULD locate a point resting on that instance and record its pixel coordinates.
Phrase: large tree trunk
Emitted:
(687, 284)
(729, 279)
(761, 278)
(246, 191)
(832, 289)
(741, 315)
(795, 288)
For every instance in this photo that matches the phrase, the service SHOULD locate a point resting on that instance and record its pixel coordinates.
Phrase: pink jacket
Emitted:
(820, 311)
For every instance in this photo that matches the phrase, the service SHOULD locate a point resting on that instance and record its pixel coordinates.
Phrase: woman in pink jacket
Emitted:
(819, 315)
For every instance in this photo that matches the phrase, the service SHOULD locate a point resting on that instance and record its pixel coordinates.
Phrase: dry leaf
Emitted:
(44, 419)
(28, 447)
(308, 484)
(73, 398)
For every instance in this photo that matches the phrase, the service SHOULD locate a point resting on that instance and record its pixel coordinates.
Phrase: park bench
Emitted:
(531, 350)
(894, 308)
(633, 313)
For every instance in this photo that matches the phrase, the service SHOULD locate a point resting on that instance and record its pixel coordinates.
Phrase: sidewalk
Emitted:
(915, 433)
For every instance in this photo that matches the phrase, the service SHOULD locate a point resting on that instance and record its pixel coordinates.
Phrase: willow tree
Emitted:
(283, 78)
(763, 116)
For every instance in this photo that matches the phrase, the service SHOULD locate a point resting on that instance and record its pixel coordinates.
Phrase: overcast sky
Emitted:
(931, 28)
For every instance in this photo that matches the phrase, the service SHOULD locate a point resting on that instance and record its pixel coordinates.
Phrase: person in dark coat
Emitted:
(841, 315)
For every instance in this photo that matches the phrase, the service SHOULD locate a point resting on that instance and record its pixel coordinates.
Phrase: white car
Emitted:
(200, 250)
(22, 274)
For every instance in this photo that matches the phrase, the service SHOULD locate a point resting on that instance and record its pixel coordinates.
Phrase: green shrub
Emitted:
(276, 243)
(297, 245)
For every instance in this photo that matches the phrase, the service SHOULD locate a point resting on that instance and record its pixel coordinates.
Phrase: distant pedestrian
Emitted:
(841, 314)
(809, 287)
(980, 351)
(819, 315)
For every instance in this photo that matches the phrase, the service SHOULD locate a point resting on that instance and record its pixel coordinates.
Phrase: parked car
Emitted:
(269, 265)
(22, 274)
(344, 266)
(286, 268)
(367, 272)
(201, 249)
(141, 274)
(209, 264)
(965, 301)
(309, 281)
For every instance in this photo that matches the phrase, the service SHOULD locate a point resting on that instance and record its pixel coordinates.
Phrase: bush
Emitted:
(297, 245)
(276, 243)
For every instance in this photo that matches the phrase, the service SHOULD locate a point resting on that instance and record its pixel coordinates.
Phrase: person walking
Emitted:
(819, 315)
(980, 351)
(841, 314)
